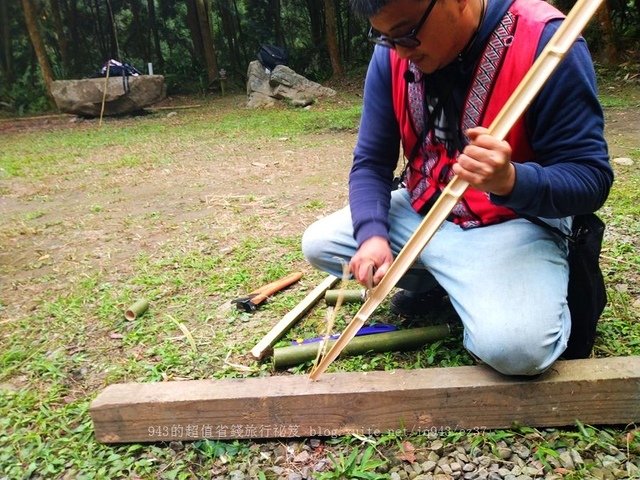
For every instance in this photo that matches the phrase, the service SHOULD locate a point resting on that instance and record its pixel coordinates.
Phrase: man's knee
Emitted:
(316, 244)
(312, 245)
(523, 357)
(516, 362)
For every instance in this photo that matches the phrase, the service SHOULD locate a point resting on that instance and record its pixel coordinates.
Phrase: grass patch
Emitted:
(619, 328)
(138, 141)
(618, 86)
(74, 266)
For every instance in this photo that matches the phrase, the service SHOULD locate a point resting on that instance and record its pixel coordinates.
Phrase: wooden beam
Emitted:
(595, 391)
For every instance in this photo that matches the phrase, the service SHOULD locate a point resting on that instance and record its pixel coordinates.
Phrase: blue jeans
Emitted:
(507, 282)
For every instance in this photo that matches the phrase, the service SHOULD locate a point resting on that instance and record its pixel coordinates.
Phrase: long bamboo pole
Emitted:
(524, 94)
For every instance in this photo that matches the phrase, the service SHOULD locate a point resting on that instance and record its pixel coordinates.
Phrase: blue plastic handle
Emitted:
(366, 330)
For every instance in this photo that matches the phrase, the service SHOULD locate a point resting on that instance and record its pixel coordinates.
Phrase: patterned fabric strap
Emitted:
(422, 169)
(492, 57)
(489, 65)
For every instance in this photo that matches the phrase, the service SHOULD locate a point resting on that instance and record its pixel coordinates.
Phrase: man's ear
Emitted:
(455, 5)
(462, 4)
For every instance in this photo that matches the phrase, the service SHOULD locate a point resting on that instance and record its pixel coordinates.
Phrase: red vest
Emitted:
(508, 56)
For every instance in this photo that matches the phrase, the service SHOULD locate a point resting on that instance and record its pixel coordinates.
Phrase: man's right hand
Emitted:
(371, 261)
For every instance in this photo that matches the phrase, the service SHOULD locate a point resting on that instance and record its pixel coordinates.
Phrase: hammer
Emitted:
(251, 302)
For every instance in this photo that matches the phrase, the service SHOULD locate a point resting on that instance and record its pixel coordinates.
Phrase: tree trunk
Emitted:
(153, 26)
(114, 46)
(38, 44)
(278, 34)
(332, 37)
(141, 36)
(6, 65)
(243, 44)
(70, 12)
(610, 49)
(230, 32)
(315, 18)
(194, 31)
(204, 20)
(340, 31)
(98, 31)
(349, 34)
(62, 38)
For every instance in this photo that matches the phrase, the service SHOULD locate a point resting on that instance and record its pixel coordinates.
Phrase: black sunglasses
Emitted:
(407, 41)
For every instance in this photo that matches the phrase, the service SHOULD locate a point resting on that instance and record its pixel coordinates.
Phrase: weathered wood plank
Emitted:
(594, 391)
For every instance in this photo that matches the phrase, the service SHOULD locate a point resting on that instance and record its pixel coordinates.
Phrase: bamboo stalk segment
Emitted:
(400, 340)
(137, 309)
(348, 296)
(524, 94)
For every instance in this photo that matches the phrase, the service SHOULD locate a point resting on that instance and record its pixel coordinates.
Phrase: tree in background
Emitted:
(332, 37)
(61, 37)
(231, 29)
(6, 52)
(31, 19)
(190, 42)
(199, 21)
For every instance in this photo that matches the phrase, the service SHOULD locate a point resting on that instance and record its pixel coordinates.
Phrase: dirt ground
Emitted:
(82, 222)
(79, 220)
(70, 225)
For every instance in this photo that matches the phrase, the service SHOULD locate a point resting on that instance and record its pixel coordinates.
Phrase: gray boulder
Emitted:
(84, 97)
(266, 87)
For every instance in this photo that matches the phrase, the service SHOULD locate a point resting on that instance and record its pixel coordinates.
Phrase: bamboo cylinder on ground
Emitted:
(137, 309)
(400, 340)
(348, 296)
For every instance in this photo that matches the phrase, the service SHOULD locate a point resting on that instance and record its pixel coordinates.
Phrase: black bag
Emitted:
(118, 69)
(587, 295)
(271, 56)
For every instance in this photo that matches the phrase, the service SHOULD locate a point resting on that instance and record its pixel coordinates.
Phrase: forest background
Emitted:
(195, 43)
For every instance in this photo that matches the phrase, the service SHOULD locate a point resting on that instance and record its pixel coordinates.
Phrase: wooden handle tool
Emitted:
(250, 303)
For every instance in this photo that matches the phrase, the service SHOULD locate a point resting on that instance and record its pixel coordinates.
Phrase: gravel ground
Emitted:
(548, 454)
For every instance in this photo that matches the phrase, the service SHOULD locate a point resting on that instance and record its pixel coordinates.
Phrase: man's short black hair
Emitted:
(369, 8)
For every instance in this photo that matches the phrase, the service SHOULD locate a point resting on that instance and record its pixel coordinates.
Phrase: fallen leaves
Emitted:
(408, 453)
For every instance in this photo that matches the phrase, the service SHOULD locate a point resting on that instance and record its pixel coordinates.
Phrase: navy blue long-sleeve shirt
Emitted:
(570, 175)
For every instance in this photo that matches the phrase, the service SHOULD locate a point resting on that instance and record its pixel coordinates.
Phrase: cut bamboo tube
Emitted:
(398, 341)
(291, 318)
(524, 94)
(137, 309)
(348, 296)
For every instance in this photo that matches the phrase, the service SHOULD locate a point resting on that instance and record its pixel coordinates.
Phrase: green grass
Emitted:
(71, 340)
(356, 465)
(82, 334)
(618, 86)
(619, 328)
(152, 138)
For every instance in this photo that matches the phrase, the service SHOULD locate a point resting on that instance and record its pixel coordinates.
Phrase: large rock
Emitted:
(84, 97)
(265, 87)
